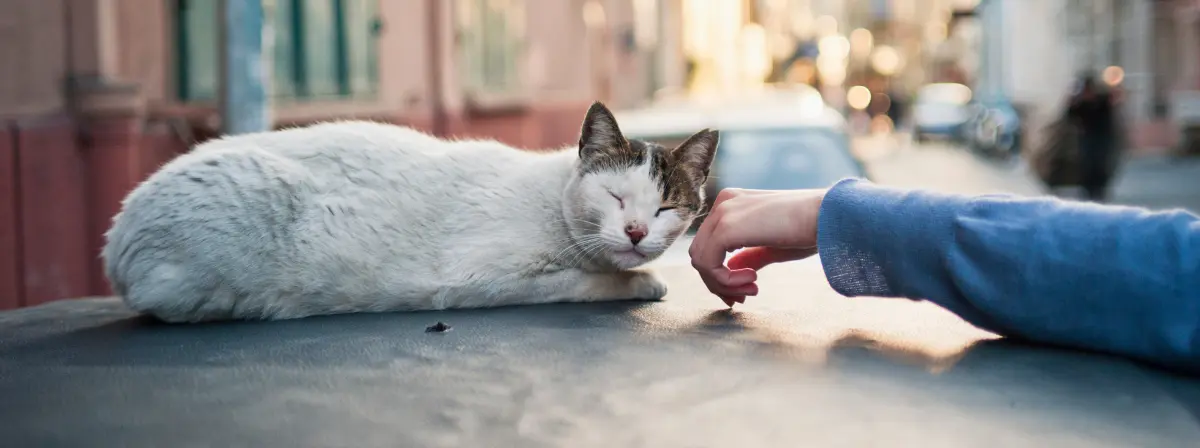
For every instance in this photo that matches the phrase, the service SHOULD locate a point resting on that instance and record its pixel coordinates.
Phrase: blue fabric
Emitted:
(1113, 279)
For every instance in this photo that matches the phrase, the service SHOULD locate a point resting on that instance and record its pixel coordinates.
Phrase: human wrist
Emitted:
(812, 214)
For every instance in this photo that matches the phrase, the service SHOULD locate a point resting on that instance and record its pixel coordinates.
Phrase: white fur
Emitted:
(368, 217)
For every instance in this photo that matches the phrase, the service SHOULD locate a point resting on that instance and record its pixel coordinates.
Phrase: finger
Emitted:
(715, 214)
(739, 295)
(757, 258)
(747, 290)
(703, 233)
(729, 291)
(725, 195)
(708, 256)
(715, 288)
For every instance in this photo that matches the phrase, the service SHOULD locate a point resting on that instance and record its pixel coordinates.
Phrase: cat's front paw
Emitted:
(647, 286)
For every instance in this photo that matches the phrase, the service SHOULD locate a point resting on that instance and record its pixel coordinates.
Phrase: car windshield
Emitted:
(783, 159)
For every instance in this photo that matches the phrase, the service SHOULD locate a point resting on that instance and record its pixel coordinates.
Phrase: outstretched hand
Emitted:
(772, 227)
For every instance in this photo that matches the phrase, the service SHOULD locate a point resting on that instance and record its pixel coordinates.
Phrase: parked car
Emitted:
(777, 141)
(995, 128)
(940, 110)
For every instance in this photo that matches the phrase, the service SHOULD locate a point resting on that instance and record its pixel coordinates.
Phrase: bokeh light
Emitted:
(882, 124)
(827, 26)
(858, 97)
(593, 14)
(835, 46)
(832, 70)
(861, 41)
(886, 60)
(1113, 75)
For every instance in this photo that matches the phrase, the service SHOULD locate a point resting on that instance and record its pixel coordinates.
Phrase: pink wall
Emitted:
(32, 63)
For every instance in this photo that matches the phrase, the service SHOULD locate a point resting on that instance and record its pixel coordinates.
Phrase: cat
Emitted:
(357, 216)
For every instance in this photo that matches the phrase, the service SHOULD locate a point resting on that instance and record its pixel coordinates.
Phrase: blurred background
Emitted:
(962, 96)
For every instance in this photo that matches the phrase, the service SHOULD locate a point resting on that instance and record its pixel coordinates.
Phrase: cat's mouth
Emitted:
(632, 252)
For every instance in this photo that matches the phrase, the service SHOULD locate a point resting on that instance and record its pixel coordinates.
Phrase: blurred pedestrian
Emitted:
(1106, 278)
(1093, 112)
(896, 108)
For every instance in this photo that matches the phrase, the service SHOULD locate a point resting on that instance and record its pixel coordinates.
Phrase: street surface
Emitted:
(1159, 182)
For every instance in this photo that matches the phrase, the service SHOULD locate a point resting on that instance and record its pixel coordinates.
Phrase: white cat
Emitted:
(367, 217)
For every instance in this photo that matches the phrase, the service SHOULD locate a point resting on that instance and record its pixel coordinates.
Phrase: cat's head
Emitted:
(630, 199)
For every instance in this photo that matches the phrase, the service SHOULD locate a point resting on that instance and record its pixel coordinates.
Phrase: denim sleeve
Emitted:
(1114, 279)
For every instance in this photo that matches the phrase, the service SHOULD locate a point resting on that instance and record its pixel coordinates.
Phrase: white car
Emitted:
(941, 110)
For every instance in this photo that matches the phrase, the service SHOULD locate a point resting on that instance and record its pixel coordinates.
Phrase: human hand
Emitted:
(773, 226)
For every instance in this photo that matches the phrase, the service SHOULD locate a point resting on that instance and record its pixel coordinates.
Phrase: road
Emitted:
(1159, 183)
(1154, 182)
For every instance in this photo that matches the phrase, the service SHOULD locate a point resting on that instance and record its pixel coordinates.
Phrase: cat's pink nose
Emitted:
(636, 232)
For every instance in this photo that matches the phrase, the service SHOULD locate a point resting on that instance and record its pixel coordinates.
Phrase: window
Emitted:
(321, 48)
(491, 41)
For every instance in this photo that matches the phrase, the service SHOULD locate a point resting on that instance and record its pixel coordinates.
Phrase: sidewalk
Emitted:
(1159, 182)
(942, 167)
(1156, 182)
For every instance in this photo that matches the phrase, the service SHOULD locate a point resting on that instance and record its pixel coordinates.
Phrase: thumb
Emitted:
(759, 257)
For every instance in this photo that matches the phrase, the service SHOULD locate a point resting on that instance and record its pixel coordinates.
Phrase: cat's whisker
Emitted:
(578, 245)
(593, 225)
(590, 251)
(574, 246)
(591, 248)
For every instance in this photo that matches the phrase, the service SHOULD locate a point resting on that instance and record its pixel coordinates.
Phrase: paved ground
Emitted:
(796, 366)
(1159, 182)
(1154, 182)
(941, 167)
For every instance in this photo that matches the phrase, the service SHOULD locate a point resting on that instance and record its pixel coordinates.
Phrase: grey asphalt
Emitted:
(797, 366)
(1156, 182)
(1159, 183)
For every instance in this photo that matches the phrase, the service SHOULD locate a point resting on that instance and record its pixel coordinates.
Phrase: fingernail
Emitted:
(743, 276)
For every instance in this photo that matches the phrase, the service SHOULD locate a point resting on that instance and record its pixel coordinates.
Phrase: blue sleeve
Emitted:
(1114, 279)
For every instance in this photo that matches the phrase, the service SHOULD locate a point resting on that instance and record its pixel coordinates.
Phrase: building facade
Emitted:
(96, 94)
(1032, 52)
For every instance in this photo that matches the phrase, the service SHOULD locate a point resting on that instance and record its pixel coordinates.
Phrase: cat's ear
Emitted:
(695, 155)
(600, 133)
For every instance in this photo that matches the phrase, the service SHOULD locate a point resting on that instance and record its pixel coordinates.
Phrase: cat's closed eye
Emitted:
(663, 210)
(620, 201)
